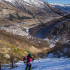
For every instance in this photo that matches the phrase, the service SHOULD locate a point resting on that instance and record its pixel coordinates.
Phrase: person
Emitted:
(27, 59)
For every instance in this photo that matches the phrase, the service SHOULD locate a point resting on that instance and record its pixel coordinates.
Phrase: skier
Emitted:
(27, 59)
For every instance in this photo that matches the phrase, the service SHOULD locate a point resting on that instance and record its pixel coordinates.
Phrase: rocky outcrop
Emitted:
(5, 13)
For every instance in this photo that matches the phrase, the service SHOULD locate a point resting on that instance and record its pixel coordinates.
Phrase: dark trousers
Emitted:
(28, 66)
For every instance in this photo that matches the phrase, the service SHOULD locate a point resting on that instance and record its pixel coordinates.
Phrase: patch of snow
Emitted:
(37, 3)
(51, 45)
(16, 30)
(65, 40)
(57, 39)
(52, 42)
(57, 4)
(39, 41)
(10, 0)
(0, 0)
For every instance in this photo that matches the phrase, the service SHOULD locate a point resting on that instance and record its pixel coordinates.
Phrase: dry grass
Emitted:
(23, 42)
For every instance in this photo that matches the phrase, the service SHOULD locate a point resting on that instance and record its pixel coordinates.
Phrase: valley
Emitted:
(34, 27)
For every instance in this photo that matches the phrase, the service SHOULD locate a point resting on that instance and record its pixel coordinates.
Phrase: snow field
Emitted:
(45, 64)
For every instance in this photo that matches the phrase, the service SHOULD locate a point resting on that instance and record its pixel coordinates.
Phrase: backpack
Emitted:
(26, 59)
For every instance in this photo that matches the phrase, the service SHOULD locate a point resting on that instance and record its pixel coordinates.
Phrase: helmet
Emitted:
(29, 53)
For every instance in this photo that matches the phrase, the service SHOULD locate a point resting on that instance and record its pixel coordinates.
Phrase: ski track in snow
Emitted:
(45, 64)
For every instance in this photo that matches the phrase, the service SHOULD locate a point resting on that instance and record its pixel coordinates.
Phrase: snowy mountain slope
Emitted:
(45, 64)
(39, 3)
(64, 8)
(35, 8)
(10, 0)
(27, 2)
(57, 4)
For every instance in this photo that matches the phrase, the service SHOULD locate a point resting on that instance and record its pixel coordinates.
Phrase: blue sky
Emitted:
(59, 1)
